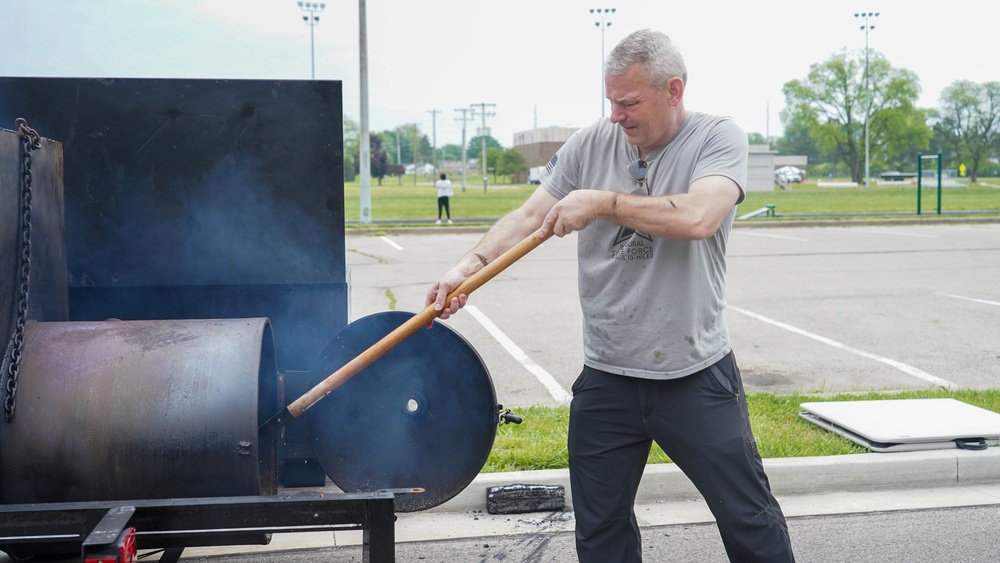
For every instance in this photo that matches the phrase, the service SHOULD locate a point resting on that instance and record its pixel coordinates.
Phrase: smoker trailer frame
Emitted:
(97, 530)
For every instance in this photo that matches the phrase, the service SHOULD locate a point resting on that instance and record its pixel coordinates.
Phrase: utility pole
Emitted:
(414, 133)
(465, 117)
(767, 124)
(434, 135)
(399, 158)
(483, 132)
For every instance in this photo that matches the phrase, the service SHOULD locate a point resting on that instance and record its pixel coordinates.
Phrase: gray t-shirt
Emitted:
(652, 307)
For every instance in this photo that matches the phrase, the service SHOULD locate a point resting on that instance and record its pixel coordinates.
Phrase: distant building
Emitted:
(421, 169)
(760, 169)
(799, 161)
(537, 146)
(763, 162)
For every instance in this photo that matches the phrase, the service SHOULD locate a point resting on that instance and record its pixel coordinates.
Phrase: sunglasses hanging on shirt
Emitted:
(637, 170)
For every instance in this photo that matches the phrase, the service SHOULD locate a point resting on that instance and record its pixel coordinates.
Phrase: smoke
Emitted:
(200, 199)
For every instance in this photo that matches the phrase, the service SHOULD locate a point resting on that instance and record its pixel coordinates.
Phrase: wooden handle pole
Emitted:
(411, 326)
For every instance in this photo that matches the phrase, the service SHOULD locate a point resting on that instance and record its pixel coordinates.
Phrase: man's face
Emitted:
(649, 117)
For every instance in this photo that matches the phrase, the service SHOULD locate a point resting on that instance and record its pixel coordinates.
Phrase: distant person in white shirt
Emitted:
(444, 193)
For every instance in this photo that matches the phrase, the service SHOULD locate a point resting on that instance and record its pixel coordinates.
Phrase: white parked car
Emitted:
(789, 174)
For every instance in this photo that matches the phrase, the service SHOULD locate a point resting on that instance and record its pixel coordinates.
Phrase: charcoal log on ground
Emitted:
(514, 499)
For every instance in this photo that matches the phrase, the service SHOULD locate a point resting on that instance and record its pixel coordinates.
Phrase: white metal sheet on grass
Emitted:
(907, 424)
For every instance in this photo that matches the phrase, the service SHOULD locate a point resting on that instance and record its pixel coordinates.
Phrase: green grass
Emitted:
(809, 198)
(406, 202)
(540, 441)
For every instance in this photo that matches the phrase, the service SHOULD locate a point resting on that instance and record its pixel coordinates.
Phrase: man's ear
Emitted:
(675, 90)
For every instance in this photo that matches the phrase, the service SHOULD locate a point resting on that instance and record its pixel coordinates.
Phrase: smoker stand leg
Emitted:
(380, 535)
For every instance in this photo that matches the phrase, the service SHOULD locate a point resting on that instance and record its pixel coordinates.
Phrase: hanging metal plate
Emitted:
(423, 415)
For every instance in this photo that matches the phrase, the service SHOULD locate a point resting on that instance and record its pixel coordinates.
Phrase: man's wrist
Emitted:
(609, 208)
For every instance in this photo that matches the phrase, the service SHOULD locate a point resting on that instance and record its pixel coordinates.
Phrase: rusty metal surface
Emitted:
(141, 410)
(423, 415)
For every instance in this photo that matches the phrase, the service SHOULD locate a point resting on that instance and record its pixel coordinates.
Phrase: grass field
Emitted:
(540, 441)
(407, 202)
(808, 198)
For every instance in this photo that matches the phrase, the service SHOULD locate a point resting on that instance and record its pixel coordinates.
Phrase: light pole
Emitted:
(434, 136)
(604, 13)
(366, 140)
(868, 98)
(312, 10)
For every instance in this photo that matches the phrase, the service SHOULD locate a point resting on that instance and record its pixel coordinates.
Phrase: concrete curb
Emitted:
(788, 476)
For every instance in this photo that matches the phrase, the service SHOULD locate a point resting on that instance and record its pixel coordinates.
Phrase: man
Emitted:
(653, 193)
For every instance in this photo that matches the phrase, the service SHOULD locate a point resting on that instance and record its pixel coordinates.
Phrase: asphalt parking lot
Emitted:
(810, 309)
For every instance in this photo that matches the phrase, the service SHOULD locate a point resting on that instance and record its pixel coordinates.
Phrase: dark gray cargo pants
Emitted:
(701, 422)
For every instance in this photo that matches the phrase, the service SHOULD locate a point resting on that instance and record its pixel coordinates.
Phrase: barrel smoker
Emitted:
(172, 273)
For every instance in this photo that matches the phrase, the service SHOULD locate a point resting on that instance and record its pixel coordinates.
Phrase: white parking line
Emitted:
(973, 299)
(743, 232)
(391, 243)
(544, 377)
(975, 228)
(905, 368)
(893, 233)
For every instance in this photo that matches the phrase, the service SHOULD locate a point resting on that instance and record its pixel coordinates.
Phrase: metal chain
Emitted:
(29, 141)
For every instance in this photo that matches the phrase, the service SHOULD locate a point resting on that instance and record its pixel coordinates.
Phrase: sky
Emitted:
(538, 63)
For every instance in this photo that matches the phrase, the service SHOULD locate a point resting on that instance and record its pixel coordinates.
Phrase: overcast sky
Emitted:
(538, 61)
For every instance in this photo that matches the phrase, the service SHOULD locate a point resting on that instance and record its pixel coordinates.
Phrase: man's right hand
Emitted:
(504, 234)
(438, 294)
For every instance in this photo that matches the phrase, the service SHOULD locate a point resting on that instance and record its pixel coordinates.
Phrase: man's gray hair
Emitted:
(653, 51)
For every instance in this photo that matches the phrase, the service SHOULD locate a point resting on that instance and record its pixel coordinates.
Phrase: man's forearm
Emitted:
(502, 236)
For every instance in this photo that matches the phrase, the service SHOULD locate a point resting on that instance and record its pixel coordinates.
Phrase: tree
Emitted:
(476, 146)
(403, 153)
(506, 162)
(756, 139)
(796, 140)
(379, 159)
(451, 152)
(833, 105)
(352, 140)
(968, 122)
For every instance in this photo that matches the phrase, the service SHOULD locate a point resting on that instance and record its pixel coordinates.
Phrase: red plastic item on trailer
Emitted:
(126, 550)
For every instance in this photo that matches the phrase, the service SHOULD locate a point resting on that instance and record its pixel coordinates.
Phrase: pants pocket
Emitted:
(724, 380)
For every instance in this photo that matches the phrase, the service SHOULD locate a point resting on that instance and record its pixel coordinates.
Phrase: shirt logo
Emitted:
(630, 244)
(635, 245)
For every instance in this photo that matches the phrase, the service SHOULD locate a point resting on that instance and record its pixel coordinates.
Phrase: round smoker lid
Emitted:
(422, 415)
